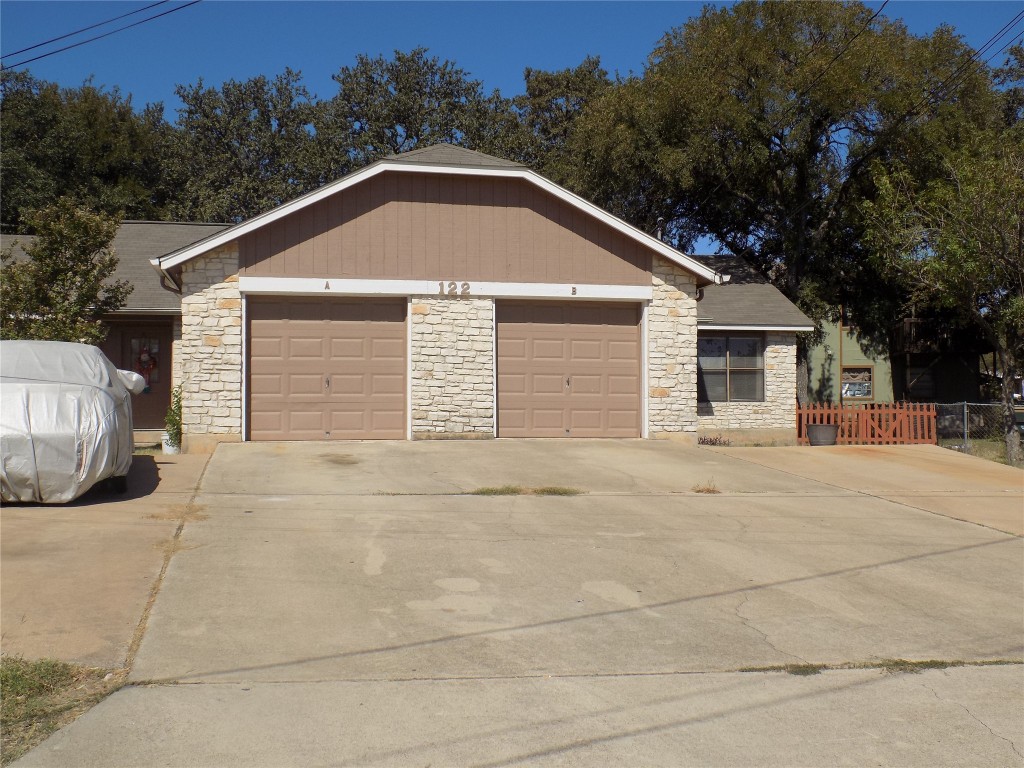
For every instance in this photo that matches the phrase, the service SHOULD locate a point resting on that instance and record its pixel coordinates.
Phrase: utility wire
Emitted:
(940, 90)
(953, 79)
(80, 31)
(99, 37)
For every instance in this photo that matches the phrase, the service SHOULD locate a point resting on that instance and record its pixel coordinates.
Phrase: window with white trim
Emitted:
(730, 367)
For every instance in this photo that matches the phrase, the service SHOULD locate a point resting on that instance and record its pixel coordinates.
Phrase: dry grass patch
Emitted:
(518, 490)
(38, 697)
(708, 487)
(892, 666)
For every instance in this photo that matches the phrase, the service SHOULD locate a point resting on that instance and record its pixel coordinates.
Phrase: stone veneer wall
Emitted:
(777, 410)
(672, 352)
(209, 353)
(452, 367)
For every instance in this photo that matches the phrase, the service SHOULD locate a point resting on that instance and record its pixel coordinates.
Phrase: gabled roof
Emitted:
(446, 159)
(135, 243)
(747, 301)
(451, 155)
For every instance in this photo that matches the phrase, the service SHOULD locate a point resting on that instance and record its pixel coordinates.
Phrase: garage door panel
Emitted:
(388, 422)
(309, 419)
(304, 384)
(584, 384)
(512, 383)
(348, 384)
(267, 421)
(623, 352)
(586, 349)
(547, 349)
(388, 384)
(348, 348)
(347, 419)
(513, 420)
(298, 345)
(512, 349)
(266, 384)
(388, 349)
(622, 419)
(623, 385)
(547, 418)
(262, 346)
(542, 384)
(586, 418)
(568, 370)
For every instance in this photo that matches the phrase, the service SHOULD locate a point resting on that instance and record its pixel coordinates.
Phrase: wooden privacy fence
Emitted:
(872, 423)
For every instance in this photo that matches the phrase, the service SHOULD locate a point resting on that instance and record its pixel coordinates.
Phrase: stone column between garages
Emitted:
(452, 367)
(672, 353)
(209, 352)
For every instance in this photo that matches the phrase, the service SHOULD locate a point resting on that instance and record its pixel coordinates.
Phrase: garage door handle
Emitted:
(327, 382)
(566, 382)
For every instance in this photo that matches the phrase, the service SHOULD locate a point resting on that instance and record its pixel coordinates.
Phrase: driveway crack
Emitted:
(981, 722)
(747, 623)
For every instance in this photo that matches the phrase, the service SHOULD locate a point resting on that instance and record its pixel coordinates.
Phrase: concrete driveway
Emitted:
(75, 579)
(349, 604)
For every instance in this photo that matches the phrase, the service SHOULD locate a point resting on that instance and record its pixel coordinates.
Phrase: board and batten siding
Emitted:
(416, 226)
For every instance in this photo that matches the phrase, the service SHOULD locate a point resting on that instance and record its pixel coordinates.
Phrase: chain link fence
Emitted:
(974, 428)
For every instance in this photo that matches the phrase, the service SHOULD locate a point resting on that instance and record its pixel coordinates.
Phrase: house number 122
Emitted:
(453, 289)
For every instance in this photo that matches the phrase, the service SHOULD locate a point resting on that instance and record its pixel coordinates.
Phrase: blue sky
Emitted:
(494, 41)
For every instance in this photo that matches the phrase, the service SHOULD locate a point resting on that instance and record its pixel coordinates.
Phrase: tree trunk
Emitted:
(802, 374)
(1013, 446)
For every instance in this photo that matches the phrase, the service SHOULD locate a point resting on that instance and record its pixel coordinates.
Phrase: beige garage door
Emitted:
(326, 369)
(568, 370)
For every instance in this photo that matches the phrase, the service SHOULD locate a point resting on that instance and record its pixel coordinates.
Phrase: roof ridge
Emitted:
(438, 152)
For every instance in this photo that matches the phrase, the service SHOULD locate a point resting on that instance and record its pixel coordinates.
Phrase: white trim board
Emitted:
(245, 370)
(319, 286)
(778, 328)
(163, 263)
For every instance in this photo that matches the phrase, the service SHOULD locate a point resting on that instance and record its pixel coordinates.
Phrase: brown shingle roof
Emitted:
(135, 244)
(450, 154)
(748, 299)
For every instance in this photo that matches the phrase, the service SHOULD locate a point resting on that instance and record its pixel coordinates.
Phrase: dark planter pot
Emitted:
(822, 434)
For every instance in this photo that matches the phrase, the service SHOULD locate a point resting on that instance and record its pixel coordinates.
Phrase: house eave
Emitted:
(712, 326)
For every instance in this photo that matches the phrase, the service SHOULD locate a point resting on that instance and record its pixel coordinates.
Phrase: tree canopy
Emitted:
(957, 240)
(757, 125)
(62, 288)
(258, 144)
(387, 106)
(86, 143)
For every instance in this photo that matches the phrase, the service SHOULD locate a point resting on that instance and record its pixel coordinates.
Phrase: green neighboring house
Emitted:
(846, 369)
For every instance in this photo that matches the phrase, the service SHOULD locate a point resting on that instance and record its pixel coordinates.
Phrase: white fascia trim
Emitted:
(156, 312)
(319, 286)
(408, 369)
(245, 371)
(163, 263)
(783, 328)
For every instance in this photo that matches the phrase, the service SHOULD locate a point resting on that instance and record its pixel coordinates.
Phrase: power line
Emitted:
(836, 58)
(940, 90)
(99, 37)
(804, 92)
(80, 31)
(958, 75)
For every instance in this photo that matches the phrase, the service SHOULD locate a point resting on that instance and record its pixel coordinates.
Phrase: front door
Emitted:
(144, 347)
